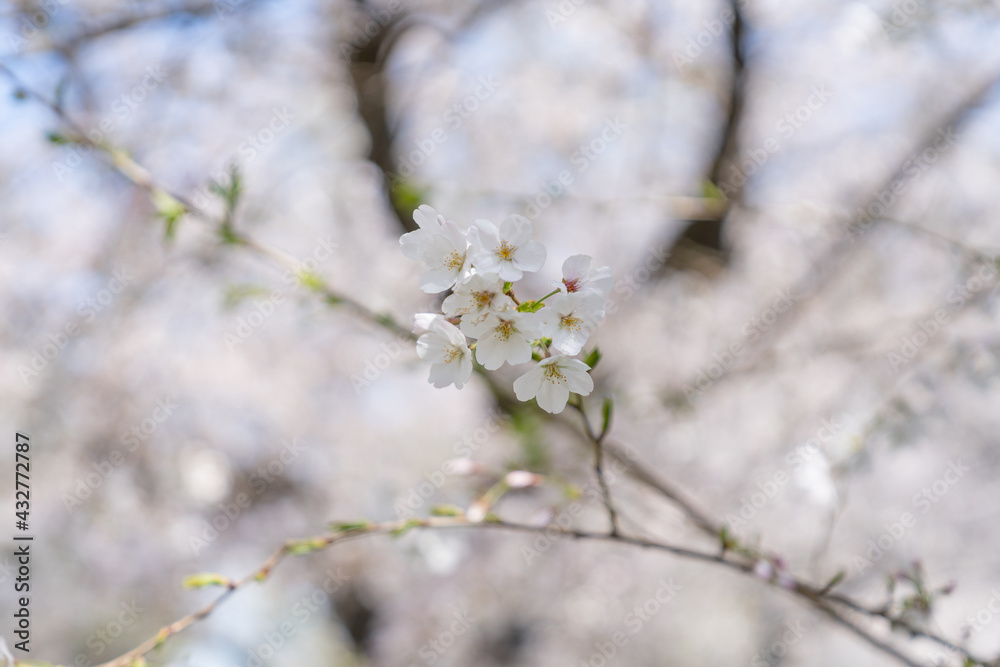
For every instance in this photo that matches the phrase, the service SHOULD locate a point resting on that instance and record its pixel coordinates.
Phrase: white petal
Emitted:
(464, 371)
(488, 280)
(442, 374)
(579, 383)
(508, 271)
(432, 347)
(412, 244)
(474, 325)
(573, 365)
(601, 280)
(590, 308)
(452, 333)
(422, 322)
(548, 321)
(479, 327)
(530, 256)
(455, 236)
(516, 350)
(491, 353)
(515, 229)
(473, 236)
(486, 261)
(456, 303)
(440, 251)
(435, 281)
(576, 267)
(486, 233)
(570, 342)
(427, 218)
(561, 304)
(552, 397)
(502, 303)
(527, 386)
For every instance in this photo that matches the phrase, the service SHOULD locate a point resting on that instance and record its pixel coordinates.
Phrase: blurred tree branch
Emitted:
(702, 245)
(367, 68)
(839, 254)
(740, 560)
(134, 18)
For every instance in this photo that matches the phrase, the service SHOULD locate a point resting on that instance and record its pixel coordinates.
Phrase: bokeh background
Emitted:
(857, 144)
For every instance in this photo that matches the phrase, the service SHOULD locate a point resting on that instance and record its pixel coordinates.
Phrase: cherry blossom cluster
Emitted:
(480, 263)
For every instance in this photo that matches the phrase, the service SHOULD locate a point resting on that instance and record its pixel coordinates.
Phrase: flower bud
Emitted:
(462, 466)
(522, 479)
(764, 570)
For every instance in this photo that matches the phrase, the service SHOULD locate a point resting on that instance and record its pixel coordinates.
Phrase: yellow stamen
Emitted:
(553, 374)
(505, 330)
(454, 260)
(570, 322)
(483, 298)
(505, 251)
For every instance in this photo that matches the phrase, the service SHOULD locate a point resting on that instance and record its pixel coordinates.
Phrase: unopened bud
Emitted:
(522, 479)
(462, 467)
(764, 570)
(476, 512)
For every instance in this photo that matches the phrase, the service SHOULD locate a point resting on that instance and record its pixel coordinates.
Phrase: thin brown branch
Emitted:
(126, 21)
(597, 442)
(865, 636)
(665, 489)
(324, 542)
(121, 162)
(826, 605)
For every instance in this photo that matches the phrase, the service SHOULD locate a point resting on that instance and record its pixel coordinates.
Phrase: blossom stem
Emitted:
(552, 293)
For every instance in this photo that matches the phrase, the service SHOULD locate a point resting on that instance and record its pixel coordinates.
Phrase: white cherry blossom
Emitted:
(441, 246)
(506, 250)
(429, 222)
(476, 262)
(505, 337)
(552, 380)
(475, 298)
(579, 278)
(445, 346)
(568, 320)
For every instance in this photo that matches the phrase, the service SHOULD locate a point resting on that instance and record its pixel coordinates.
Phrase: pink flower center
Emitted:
(572, 285)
